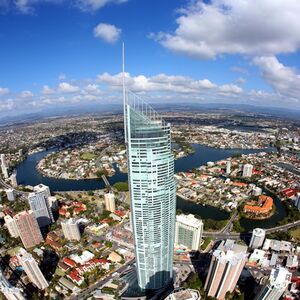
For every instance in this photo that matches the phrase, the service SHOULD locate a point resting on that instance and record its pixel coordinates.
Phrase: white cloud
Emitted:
(107, 32)
(27, 6)
(4, 91)
(66, 87)
(240, 81)
(162, 88)
(92, 89)
(283, 79)
(166, 83)
(47, 91)
(26, 94)
(7, 105)
(230, 88)
(23, 6)
(240, 70)
(93, 5)
(255, 27)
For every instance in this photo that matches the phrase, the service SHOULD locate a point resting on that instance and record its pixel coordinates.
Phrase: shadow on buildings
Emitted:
(246, 237)
(134, 292)
(247, 284)
(200, 262)
(49, 263)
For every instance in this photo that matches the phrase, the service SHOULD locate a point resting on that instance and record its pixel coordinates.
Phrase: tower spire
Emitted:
(123, 86)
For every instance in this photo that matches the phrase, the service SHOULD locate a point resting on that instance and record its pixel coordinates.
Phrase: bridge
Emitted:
(106, 181)
(236, 236)
(23, 195)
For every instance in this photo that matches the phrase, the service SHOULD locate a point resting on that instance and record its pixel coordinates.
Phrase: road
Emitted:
(229, 223)
(236, 236)
(283, 227)
(86, 292)
(23, 195)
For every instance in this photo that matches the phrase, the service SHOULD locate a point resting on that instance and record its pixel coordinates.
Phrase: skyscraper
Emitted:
(70, 229)
(11, 226)
(257, 239)
(297, 201)
(225, 268)
(28, 229)
(4, 171)
(32, 269)
(188, 231)
(228, 166)
(278, 282)
(110, 203)
(247, 170)
(152, 191)
(39, 204)
(13, 180)
(10, 292)
(41, 188)
(4, 168)
(10, 193)
(3, 160)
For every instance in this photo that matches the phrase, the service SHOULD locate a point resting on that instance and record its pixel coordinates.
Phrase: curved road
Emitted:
(23, 195)
(223, 235)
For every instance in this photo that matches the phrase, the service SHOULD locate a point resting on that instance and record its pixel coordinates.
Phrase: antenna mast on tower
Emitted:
(124, 93)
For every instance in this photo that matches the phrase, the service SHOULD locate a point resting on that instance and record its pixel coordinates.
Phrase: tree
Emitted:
(121, 186)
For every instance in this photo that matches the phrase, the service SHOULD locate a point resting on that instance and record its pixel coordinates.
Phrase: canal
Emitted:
(27, 174)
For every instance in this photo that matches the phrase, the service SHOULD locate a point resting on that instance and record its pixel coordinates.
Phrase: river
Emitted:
(28, 175)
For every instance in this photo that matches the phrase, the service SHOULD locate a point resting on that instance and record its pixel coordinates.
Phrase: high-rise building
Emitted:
(28, 229)
(32, 269)
(110, 203)
(152, 191)
(39, 204)
(247, 170)
(277, 284)
(9, 291)
(41, 188)
(52, 200)
(225, 268)
(257, 239)
(256, 191)
(10, 193)
(4, 171)
(188, 231)
(4, 167)
(11, 226)
(228, 166)
(3, 160)
(297, 201)
(71, 229)
(13, 180)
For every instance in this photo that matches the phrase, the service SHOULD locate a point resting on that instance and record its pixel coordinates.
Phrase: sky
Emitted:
(60, 53)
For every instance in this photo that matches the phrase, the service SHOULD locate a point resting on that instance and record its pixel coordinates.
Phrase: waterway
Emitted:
(289, 167)
(27, 174)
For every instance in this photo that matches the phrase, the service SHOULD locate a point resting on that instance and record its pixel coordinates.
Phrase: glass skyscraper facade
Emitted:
(152, 191)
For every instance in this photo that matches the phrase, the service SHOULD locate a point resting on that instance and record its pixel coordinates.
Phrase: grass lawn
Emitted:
(296, 233)
(13, 251)
(121, 186)
(59, 272)
(205, 243)
(88, 156)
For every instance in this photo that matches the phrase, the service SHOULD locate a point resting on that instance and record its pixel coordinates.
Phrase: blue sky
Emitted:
(68, 52)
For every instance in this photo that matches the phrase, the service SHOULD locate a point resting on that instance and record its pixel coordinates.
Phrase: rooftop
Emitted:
(189, 220)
